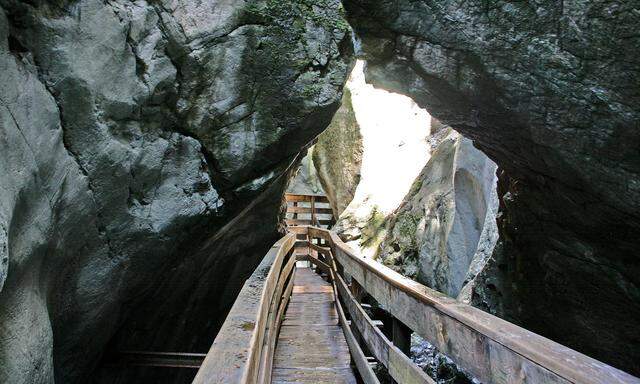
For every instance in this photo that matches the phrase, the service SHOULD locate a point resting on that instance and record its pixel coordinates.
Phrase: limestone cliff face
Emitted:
(551, 92)
(445, 229)
(306, 181)
(144, 150)
(337, 156)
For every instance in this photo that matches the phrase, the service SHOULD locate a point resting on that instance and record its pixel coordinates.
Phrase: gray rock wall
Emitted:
(337, 156)
(133, 137)
(306, 181)
(445, 227)
(550, 91)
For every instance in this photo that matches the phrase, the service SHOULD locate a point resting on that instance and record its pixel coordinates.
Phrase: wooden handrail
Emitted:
(316, 214)
(237, 352)
(306, 198)
(492, 349)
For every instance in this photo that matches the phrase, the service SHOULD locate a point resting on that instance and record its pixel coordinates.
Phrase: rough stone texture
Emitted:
(438, 366)
(306, 181)
(144, 150)
(445, 229)
(551, 92)
(337, 156)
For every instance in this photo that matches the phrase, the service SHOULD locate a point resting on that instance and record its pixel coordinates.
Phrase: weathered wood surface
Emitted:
(305, 316)
(308, 210)
(317, 198)
(297, 222)
(273, 322)
(493, 350)
(313, 376)
(316, 210)
(157, 359)
(235, 354)
(400, 367)
(311, 347)
(360, 360)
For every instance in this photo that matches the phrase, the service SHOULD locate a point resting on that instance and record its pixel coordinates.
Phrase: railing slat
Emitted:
(366, 373)
(307, 210)
(293, 222)
(303, 198)
(235, 354)
(493, 350)
(399, 365)
(490, 348)
(273, 323)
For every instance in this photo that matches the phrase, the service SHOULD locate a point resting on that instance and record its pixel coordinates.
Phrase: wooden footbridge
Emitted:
(300, 319)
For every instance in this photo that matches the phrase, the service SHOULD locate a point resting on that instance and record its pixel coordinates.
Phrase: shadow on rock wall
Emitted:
(549, 93)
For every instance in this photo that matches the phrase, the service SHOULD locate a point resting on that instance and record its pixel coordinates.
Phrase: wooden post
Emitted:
(295, 214)
(401, 336)
(356, 290)
(313, 210)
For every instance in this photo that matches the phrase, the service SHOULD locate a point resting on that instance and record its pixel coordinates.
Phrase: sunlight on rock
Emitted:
(395, 134)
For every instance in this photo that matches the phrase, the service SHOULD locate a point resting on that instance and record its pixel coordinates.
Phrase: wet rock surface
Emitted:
(550, 92)
(145, 149)
(438, 366)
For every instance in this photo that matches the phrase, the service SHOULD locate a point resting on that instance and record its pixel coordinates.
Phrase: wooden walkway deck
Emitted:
(311, 346)
(286, 326)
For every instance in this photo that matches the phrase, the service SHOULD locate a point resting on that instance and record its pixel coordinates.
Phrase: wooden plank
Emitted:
(298, 222)
(309, 312)
(289, 197)
(157, 359)
(265, 374)
(307, 210)
(313, 376)
(310, 349)
(273, 276)
(273, 322)
(321, 265)
(360, 360)
(309, 346)
(312, 289)
(322, 250)
(234, 356)
(313, 297)
(300, 230)
(493, 350)
(398, 364)
(286, 297)
(297, 197)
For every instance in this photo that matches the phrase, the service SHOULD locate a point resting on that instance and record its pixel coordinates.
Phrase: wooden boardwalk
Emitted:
(311, 347)
(287, 327)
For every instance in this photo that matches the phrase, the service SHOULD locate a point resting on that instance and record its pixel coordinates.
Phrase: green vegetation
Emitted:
(373, 231)
(407, 226)
(283, 80)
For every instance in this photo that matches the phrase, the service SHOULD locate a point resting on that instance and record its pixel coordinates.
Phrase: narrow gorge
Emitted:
(489, 151)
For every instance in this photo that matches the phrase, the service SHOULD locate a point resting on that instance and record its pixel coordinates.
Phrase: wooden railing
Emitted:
(243, 350)
(308, 210)
(489, 348)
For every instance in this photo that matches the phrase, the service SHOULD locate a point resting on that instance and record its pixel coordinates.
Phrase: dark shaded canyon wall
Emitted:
(141, 145)
(551, 92)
